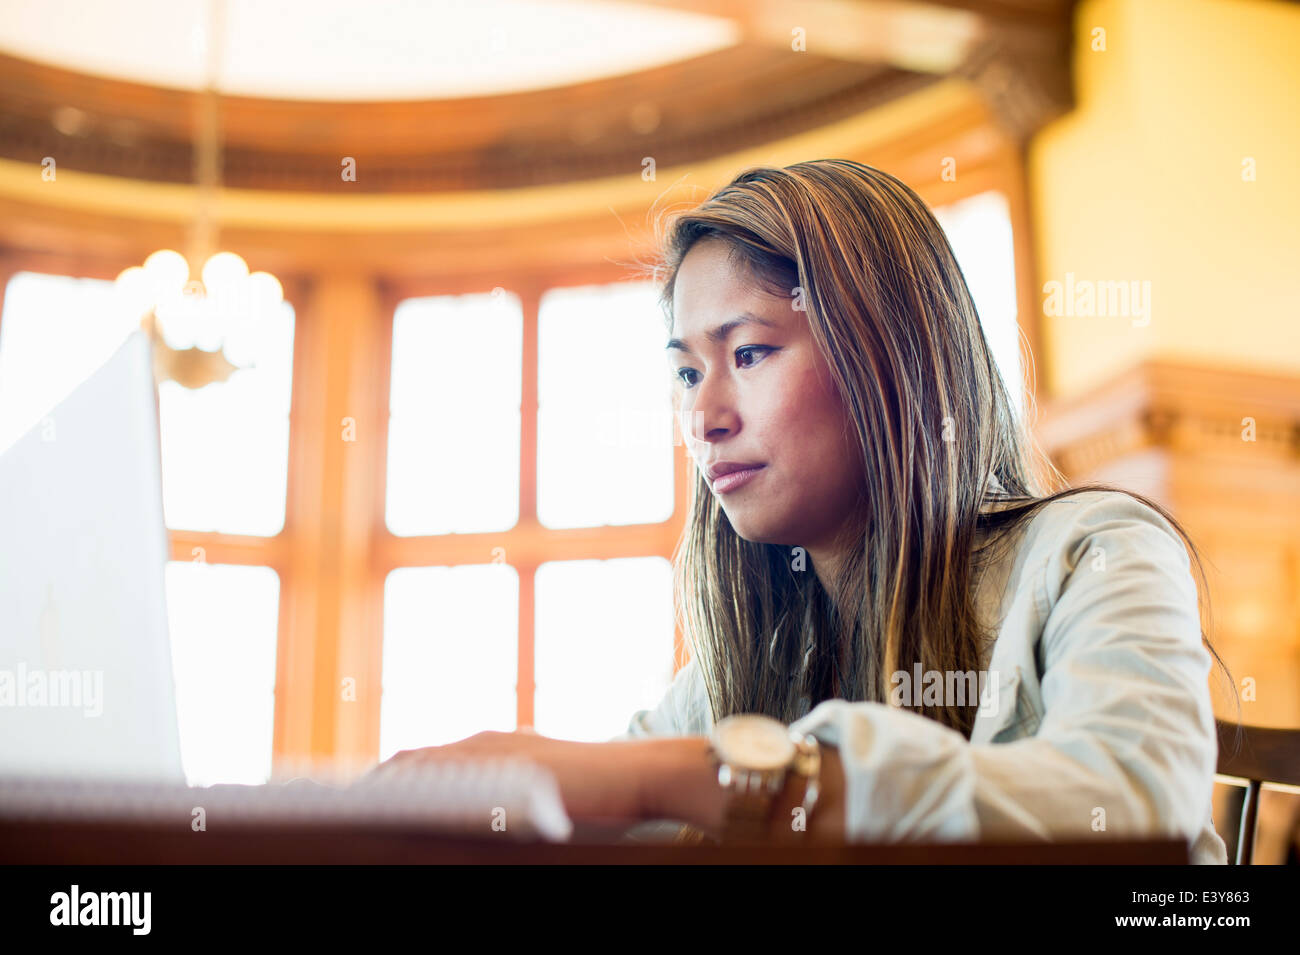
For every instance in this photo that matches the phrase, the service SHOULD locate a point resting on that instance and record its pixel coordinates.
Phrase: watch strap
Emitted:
(748, 811)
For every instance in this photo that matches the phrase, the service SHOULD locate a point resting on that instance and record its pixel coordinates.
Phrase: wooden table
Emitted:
(136, 843)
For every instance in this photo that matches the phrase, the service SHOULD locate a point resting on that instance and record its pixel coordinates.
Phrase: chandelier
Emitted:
(196, 305)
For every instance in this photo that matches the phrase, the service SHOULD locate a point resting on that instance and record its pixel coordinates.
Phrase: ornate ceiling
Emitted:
(793, 68)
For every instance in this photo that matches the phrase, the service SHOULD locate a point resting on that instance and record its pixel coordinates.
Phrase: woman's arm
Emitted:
(1125, 745)
(679, 782)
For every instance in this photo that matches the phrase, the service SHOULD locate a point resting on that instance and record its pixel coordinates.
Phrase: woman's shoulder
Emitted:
(1063, 527)
(1094, 526)
(1092, 530)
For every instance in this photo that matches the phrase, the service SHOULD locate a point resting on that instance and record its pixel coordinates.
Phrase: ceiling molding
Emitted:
(1017, 52)
(939, 109)
(677, 114)
(96, 225)
(857, 56)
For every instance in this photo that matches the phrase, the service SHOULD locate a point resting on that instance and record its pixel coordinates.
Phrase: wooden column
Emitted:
(328, 684)
(526, 682)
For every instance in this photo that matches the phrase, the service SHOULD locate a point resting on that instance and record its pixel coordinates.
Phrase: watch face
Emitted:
(753, 742)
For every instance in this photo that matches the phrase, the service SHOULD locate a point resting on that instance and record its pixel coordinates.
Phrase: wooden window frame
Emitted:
(526, 545)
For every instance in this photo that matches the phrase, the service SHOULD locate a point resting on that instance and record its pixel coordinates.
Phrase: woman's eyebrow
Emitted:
(719, 335)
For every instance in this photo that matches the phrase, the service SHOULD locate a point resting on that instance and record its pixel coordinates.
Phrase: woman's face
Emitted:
(761, 395)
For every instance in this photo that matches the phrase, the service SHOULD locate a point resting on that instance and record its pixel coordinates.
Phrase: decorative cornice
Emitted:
(97, 225)
(1175, 407)
(677, 114)
(1025, 79)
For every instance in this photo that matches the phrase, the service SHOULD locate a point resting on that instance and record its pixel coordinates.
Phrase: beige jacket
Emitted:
(1096, 719)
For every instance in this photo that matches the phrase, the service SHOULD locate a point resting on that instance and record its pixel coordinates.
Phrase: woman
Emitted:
(882, 525)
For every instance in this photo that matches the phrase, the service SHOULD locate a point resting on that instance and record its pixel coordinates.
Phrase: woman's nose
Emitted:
(711, 416)
(693, 426)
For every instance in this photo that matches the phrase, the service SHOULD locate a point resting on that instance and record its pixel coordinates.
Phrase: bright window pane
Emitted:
(979, 230)
(451, 652)
(605, 420)
(453, 431)
(225, 446)
(223, 621)
(604, 644)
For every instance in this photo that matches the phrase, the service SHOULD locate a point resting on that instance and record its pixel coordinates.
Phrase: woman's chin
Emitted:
(753, 531)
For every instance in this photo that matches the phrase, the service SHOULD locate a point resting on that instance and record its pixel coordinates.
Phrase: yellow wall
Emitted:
(1143, 181)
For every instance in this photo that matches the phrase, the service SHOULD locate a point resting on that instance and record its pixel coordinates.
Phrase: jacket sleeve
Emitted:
(1127, 730)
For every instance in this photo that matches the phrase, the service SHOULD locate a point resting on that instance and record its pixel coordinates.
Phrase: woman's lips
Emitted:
(736, 479)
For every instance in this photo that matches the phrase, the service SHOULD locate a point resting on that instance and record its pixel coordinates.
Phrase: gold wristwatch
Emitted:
(753, 754)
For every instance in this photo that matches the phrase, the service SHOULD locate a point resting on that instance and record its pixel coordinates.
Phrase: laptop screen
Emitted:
(86, 682)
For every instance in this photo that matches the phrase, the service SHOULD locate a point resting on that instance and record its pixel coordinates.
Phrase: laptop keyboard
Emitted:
(490, 798)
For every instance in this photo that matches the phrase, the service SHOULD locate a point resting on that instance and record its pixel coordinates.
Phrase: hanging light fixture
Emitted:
(189, 310)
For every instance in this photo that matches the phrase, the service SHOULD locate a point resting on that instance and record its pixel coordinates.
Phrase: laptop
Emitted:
(86, 680)
(88, 718)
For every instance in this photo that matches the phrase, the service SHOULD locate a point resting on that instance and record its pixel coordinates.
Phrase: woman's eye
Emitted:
(683, 373)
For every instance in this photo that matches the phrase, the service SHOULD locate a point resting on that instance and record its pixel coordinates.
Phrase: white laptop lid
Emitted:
(86, 684)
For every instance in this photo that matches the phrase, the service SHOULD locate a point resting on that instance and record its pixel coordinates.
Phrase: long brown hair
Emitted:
(889, 310)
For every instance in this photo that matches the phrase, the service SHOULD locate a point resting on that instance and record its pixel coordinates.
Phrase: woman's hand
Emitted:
(601, 784)
(608, 787)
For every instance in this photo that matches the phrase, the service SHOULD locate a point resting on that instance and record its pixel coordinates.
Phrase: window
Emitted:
(454, 406)
(223, 621)
(450, 654)
(604, 644)
(570, 646)
(605, 423)
(979, 230)
(225, 446)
